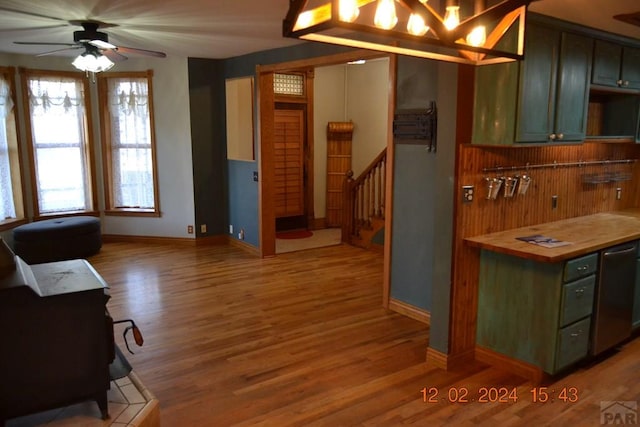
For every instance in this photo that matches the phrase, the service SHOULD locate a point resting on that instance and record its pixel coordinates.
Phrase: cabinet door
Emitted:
(606, 63)
(494, 113)
(536, 104)
(572, 98)
(630, 74)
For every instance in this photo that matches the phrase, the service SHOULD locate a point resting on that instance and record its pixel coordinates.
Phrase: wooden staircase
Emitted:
(364, 203)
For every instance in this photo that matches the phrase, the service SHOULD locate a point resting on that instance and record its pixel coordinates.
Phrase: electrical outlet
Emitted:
(241, 234)
(230, 229)
(203, 228)
(255, 176)
(618, 193)
(467, 193)
(554, 202)
(189, 229)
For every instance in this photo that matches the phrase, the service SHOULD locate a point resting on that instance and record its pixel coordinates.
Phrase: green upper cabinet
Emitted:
(606, 63)
(536, 108)
(496, 92)
(630, 74)
(554, 86)
(572, 98)
(616, 66)
(546, 98)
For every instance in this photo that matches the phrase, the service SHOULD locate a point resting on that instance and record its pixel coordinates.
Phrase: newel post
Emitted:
(347, 207)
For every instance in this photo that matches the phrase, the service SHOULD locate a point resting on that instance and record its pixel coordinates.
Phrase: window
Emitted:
(11, 201)
(60, 148)
(126, 108)
(288, 84)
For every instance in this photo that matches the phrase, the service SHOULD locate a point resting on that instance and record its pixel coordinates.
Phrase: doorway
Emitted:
(269, 106)
(290, 167)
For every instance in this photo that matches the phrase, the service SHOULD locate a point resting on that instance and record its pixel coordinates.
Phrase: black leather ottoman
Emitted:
(57, 239)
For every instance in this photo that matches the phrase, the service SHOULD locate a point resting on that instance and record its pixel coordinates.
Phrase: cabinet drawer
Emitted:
(580, 267)
(573, 343)
(577, 300)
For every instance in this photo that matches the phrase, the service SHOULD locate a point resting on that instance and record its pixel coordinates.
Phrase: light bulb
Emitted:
(452, 17)
(477, 36)
(386, 15)
(416, 25)
(348, 10)
(305, 19)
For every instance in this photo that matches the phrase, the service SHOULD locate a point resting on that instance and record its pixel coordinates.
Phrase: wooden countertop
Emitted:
(586, 233)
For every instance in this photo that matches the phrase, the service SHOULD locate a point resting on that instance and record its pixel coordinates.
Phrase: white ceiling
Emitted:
(217, 28)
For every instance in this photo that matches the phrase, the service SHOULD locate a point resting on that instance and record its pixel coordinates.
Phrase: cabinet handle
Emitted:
(626, 82)
(560, 135)
(579, 292)
(576, 334)
(552, 136)
(583, 268)
(619, 82)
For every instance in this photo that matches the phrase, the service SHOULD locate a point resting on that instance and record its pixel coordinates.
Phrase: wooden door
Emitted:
(339, 136)
(289, 165)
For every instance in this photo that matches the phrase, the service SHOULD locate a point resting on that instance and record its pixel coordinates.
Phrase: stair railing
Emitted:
(364, 198)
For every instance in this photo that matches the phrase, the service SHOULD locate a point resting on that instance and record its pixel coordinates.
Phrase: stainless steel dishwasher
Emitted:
(613, 306)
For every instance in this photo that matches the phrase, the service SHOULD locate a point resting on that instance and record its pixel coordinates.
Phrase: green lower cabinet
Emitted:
(529, 312)
(573, 343)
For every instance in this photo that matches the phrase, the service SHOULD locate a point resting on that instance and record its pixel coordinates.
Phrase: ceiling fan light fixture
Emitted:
(92, 62)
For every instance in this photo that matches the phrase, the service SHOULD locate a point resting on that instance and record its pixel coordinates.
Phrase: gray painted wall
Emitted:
(208, 145)
(422, 200)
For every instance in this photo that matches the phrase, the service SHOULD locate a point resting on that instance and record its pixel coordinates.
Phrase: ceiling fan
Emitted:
(90, 35)
(99, 54)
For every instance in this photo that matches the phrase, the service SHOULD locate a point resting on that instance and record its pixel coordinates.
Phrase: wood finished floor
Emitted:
(302, 340)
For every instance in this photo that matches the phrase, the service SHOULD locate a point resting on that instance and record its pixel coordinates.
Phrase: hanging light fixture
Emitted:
(424, 32)
(92, 61)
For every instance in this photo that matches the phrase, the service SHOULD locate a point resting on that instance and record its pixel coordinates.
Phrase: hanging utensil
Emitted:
(494, 187)
(525, 180)
(510, 184)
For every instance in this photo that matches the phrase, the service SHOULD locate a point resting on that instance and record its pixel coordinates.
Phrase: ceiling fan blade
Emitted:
(24, 12)
(102, 44)
(43, 27)
(113, 55)
(47, 43)
(134, 50)
(58, 50)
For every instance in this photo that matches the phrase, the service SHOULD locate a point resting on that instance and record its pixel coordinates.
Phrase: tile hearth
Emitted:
(130, 404)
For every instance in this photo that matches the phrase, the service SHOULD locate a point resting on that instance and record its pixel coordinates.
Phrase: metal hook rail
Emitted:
(558, 165)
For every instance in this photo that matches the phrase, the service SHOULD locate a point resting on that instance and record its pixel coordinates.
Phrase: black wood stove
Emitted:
(57, 336)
